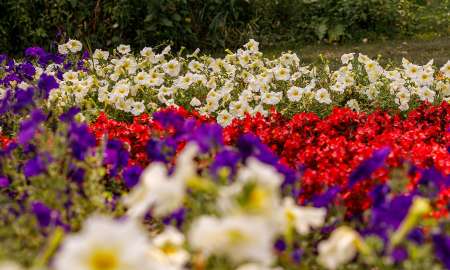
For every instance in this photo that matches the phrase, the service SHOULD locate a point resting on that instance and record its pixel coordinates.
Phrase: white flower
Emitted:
(426, 94)
(345, 58)
(446, 69)
(254, 266)
(303, 219)
(100, 55)
(339, 249)
(322, 96)
(159, 191)
(240, 238)
(121, 90)
(353, 104)
(294, 94)
(224, 118)
(138, 107)
(103, 244)
(62, 49)
(167, 248)
(172, 68)
(271, 98)
(70, 76)
(74, 45)
(7, 265)
(124, 49)
(252, 45)
(195, 102)
(282, 73)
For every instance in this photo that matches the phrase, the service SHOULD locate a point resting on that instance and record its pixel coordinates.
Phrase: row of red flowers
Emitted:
(327, 149)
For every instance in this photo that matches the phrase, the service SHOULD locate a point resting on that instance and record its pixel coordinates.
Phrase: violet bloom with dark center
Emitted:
(297, 255)
(116, 156)
(280, 245)
(47, 83)
(441, 244)
(37, 165)
(169, 118)
(131, 176)
(76, 174)
(29, 127)
(327, 198)
(368, 166)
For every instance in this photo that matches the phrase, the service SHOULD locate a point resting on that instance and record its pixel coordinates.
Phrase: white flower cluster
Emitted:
(241, 82)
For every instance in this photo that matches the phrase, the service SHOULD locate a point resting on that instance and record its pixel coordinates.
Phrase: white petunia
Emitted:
(339, 249)
(124, 49)
(322, 96)
(294, 94)
(74, 45)
(303, 219)
(239, 238)
(167, 248)
(106, 244)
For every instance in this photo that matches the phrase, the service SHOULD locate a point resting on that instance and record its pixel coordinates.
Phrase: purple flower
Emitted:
(27, 69)
(168, 118)
(399, 254)
(131, 175)
(4, 182)
(250, 145)
(325, 199)
(42, 212)
(76, 174)
(379, 194)
(390, 214)
(297, 255)
(69, 115)
(47, 83)
(29, 127)
(225, 158)
(34, 52)
(23, 98)
(37, 165)
(280, 245)
(116, 156)
(161, 150)
(207, 136)
(178, 217)
(442, 248)
(80, 140)
(368, 166)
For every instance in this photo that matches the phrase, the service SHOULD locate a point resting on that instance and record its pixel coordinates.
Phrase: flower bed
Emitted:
(163, 161)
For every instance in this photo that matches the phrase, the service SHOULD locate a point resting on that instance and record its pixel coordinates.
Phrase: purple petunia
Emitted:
(80, 140)
(42, 212)
(225, 159)
(23, 98)
(442, 248)
(131, 175)
(29, 127)
(207, 136)
(69, 115)
(116, 156)
(37, 165)
(161, 150)
(368, 166)
(47, 83)
(4, 182)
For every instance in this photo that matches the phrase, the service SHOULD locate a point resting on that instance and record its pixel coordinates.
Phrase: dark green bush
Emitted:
(196, 23)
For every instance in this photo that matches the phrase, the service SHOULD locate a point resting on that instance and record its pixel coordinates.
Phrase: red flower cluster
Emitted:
(332, 147)
(136, 135)
(4, 141)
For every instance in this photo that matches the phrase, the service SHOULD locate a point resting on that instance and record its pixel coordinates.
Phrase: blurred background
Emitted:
(324, 26)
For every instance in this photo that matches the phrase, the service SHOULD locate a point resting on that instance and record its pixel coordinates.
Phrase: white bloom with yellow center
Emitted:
(322, 96)
(271, 98)
(124, 49)
(445, 69)
(339, 249)
(172, 68)
(239, 238)
(294, 94)
(100, 55)
(282, 73)
(346, 58)
(106, 244)
(167, 248)
(74, 45)
(303, 219)
(426, 94)
(224, 118)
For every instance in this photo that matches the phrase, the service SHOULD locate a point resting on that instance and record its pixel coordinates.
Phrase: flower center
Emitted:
(103, 259)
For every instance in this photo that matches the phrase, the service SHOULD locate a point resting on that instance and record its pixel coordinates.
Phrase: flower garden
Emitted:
(159, 159)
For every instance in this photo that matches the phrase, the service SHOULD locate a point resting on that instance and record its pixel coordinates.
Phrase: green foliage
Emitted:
(206, 24)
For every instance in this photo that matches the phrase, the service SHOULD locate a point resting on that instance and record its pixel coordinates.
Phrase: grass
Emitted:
(417, 51)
